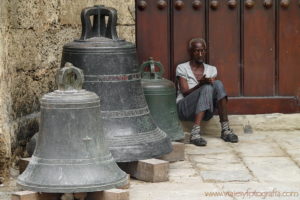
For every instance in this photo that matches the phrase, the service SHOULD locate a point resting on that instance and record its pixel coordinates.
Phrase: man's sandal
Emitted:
(199, 142)
(229, 136)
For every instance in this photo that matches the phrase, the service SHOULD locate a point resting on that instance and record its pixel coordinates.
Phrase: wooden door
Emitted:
(153, 24)
(224, 44)
(289, 48)
(182, 30)
(253, 43)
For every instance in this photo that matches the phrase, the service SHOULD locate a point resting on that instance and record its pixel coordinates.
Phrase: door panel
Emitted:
(254, 45)
(259, 105)
(224, 21)
(289, 49)
(259, 50)
(188, 23)
(152, 26)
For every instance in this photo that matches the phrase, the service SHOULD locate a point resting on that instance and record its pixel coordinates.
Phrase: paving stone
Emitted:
(181, 170)
(222, 167)
(180, 165)
(297, 160)
(5, 196)
(209, 149)
(288, 142)
(293, 152)
(190, 190)
(215, 158)
(212, 141)
(273, 168)
(182, 173)
(259, 148)
(226, 176)
(252, 137)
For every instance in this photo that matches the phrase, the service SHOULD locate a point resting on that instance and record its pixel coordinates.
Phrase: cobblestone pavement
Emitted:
(263, 165)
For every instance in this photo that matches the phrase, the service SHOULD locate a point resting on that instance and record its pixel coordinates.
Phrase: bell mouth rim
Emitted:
(72, 189)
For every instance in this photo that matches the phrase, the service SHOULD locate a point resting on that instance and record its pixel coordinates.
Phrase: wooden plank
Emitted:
(224, 45)
(260, 105)
(152, 38)
(149, 170)
(30, 195)
(188, 23)
(289, 49)
(24, 195)
(259, 50)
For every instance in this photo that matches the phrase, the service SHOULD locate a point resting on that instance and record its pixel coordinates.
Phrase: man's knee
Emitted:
(218, 85)
(207, 88)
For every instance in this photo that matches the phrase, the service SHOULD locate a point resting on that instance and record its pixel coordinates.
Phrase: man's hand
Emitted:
(211, 80)
(205, 80)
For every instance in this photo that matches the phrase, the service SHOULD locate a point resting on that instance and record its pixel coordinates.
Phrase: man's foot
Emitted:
(229, 136)
(196, 139)
(227, 133)
(199, 142)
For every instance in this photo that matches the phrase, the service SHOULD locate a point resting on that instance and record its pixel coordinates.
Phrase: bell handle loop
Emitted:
(99, 28)
(70, 78)
(152, 63)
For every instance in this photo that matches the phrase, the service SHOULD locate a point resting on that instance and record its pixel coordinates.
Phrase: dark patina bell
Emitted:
(160, 94)
(111, 71)
(71, 155)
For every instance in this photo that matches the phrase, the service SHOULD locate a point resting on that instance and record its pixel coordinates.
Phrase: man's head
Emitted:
(197, 49)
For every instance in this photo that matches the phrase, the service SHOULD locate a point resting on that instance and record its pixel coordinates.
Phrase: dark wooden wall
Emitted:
(255, 44)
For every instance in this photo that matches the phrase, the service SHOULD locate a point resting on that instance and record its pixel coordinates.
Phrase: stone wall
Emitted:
(5, 128)
(32, 34)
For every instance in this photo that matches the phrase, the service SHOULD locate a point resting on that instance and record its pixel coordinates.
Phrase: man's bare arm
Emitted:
(184, 87)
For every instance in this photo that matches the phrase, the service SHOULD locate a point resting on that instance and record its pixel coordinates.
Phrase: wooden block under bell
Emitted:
(150, 170)
(176, 155)
(127, 185)
(112, 194)
(31, 195)
(25, 195)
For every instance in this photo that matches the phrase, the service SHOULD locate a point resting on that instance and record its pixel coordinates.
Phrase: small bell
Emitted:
(160, 95)
(70, 154)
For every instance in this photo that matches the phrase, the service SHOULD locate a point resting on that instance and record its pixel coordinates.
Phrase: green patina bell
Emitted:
(160, 95)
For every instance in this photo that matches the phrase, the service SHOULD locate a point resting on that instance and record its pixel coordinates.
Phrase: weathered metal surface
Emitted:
(160, 95)
(111, 70)
(71, 155)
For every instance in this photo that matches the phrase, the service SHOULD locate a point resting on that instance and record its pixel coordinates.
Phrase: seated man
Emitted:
(199, 93)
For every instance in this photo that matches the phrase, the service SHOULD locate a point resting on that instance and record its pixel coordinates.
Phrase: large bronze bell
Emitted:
(111, 71)
(71, 155)
(160, 95)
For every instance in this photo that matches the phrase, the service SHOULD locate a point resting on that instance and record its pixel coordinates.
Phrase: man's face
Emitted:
(198, 52)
